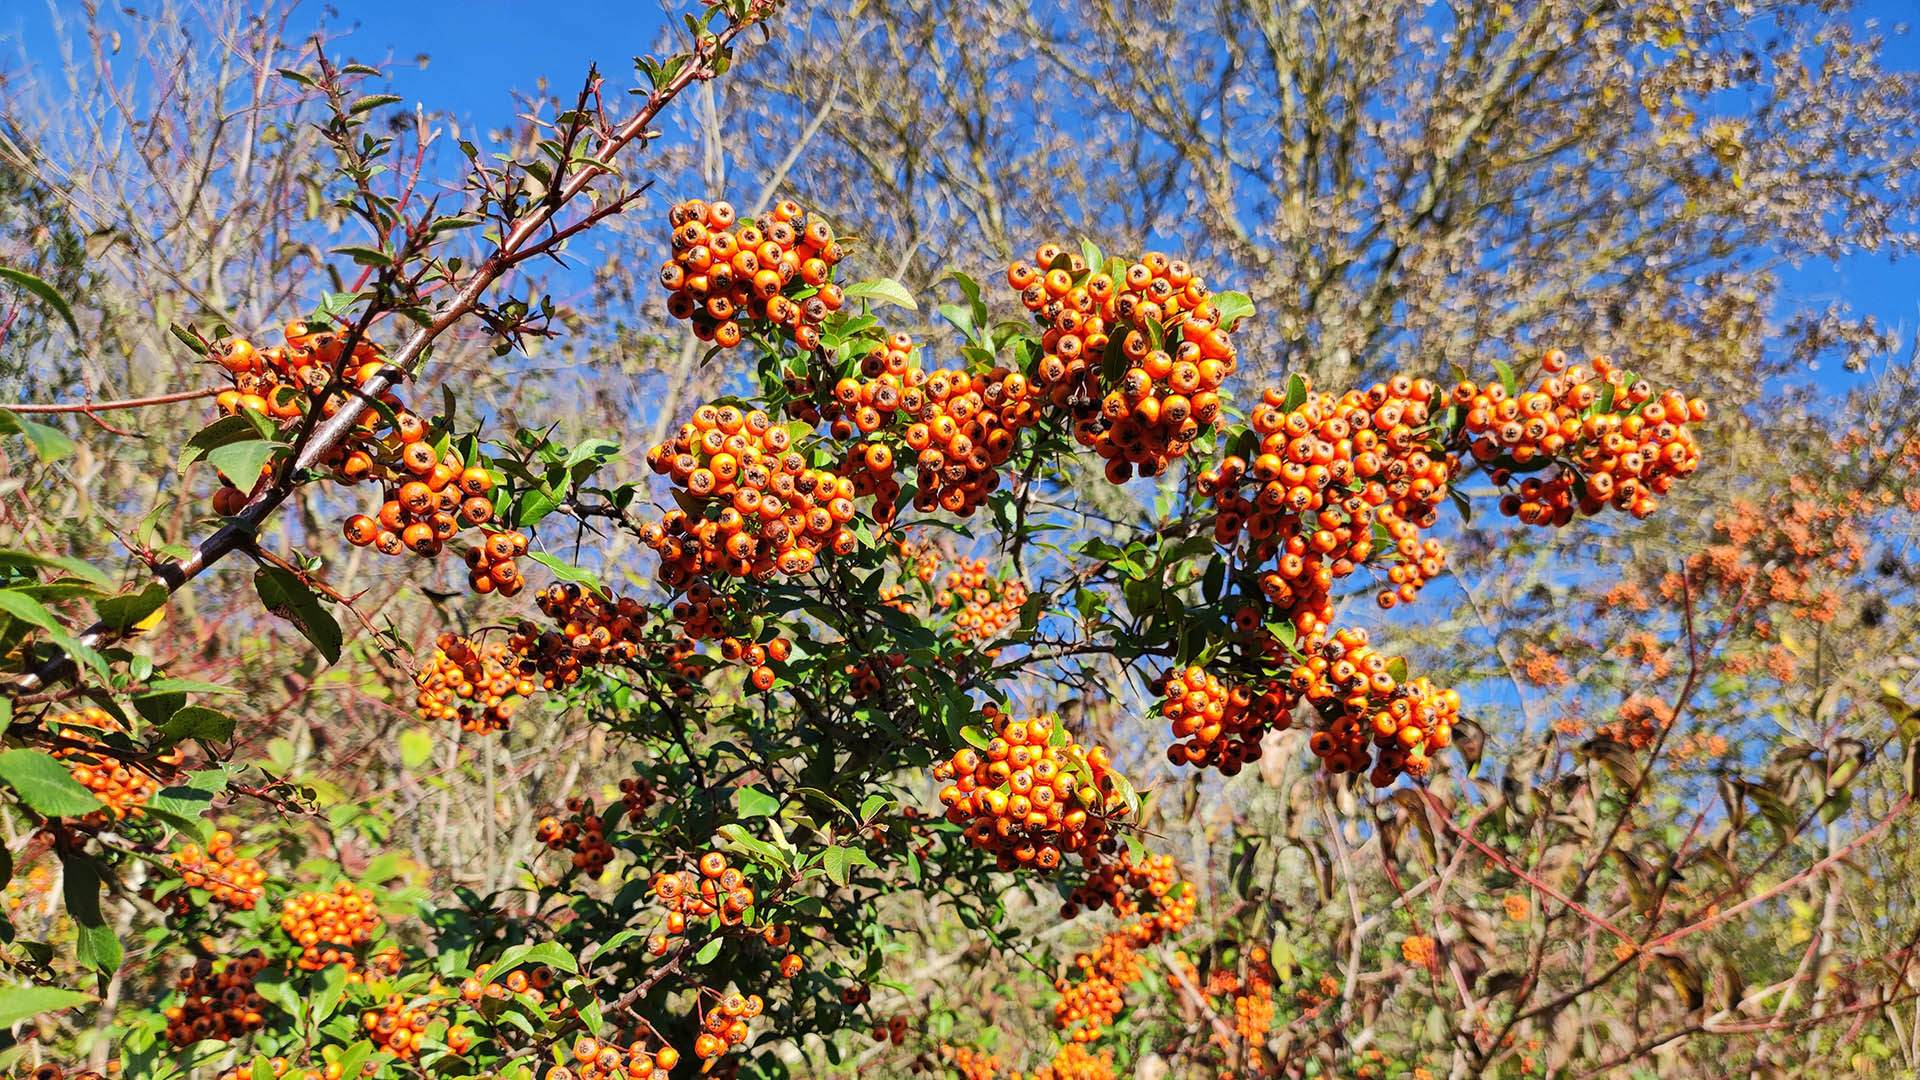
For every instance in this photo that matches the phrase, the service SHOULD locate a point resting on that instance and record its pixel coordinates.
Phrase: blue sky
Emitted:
(480, 51)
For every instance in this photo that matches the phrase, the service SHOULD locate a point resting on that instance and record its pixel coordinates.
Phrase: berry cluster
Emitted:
(589, 629)
(1249, 999)
(430, 496)
(982, 605)
(280, 380)
(532, 982)
(704, 615)
(232, 880)
(724, 1025)
(1609, 439)
(1075, 1062)
(773, 270)
(1162, 399)
(217, 1001)
(872, 674)
(971, 1064)
(1033, 795)
(328, 926)
(479, 686)
(1364, 706)
(1097, 992)
(398, 1026)
(584, 834)
(716, 889)
(962, 427)
(490, 565)
(1327, 470)
(597, 1060)
(894, 1030)
(1120, 883)
(121, 789)
(1221, 724)
(763, 510)
(637, 793)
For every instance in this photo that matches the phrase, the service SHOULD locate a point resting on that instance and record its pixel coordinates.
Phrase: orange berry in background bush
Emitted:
(728, 277)
(233, 881)
(329, 926)
(479, 686)
(1029, 798)
(584, 834)
(218, 1000)
(982, 605)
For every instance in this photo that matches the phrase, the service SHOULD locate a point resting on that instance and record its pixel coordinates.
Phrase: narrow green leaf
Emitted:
(19, 1003)
(46, 292)
(49, 443)
(288, 597)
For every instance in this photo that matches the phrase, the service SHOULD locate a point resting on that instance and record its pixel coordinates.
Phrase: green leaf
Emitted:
(1234, 306)
(124, 611)
(547, 952)
(737, 836)
(885, 291)
(838, 861)
(198, 722)
(368, 104)
(188, 686)
(333, 987)
(1506, 377)
(77, 567)
(95, 943)
(751, 802)
(49, 443)
(565, 571)
(416, 746)
(353, 1057)
(288, 597)
(707, 952)
(534, 504)
(227, 429)
(1090, 253)
(45, 785)
(242, 461)
(365, 256)
(1296, 392)
(19, 1003)
(30, 611)
(46, 292)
